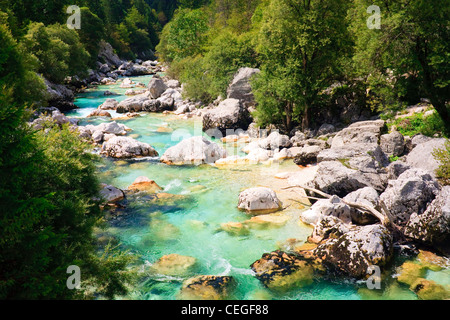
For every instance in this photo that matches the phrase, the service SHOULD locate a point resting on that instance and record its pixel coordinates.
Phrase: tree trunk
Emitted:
(288, 116)
(305, 119)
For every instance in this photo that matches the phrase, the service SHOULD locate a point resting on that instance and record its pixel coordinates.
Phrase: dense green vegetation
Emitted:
(303, 47)
(48, 188)
(443, 157)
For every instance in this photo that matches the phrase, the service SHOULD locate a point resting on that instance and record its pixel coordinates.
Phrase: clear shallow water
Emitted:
(192, 226)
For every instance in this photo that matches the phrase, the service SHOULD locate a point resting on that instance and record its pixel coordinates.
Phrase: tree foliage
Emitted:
(302, 45)
(412, 47)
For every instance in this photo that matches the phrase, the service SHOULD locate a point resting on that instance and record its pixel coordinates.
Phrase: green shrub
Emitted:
(443, 157)
(418, 123)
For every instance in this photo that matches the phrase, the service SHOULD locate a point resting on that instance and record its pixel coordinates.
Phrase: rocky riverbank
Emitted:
(351, 164)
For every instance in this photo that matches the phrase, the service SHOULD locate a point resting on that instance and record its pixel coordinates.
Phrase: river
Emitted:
(192, 226)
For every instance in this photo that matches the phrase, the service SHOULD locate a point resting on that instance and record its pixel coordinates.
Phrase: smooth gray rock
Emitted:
(229, 114)
(240, 87)
(194, 150)
(422, 155)
(274, 141)
(333, 177)
(259, 200)
(392, 144)
(156, 86)
(126, 147)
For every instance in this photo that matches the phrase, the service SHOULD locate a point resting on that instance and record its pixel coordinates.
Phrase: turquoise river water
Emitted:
(192, 227)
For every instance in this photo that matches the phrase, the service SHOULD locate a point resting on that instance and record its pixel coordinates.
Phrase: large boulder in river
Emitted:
(240, 86)
(410, 193)
(111, 194)
(432, 226)
(126, 147)
(229, 114)
(156, 86)
(280, 271)
(133, 104)
(194, 150)
(274, 141)
(356, 250)
(327, 207)
(109, 104)
(259, 200)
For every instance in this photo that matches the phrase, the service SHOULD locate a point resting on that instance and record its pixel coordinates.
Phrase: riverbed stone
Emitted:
(111, 194)
(259, 200)
(126, 147)
(156, 86)
(230, 114)
(175, 265)
(353, 252)
(207, 287)
(280, 271)
(145, 184)
(194, 150)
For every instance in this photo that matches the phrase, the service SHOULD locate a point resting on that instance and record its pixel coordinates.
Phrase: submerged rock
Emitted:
(281, 271)
(207, 287)
(266, 221)
(259, 200)
(144, 184)
(175, 265)
(194, 150)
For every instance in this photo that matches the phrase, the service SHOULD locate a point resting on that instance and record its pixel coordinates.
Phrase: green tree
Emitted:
(302, 45)
(58, 50)
(17, 68)
(184, 36)
(412, 45)
(92, 31)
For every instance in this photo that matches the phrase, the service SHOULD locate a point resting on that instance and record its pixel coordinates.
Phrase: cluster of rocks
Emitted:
(109, 68)
(160, 95)
(355, 166)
